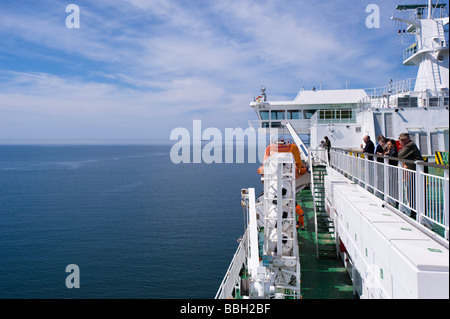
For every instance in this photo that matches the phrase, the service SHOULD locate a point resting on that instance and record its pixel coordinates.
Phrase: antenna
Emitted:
(263, 93)
(429, 9)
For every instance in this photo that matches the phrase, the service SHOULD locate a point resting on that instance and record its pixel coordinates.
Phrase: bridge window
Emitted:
(264, 115)
(294, 115)
(271, 124)
(326, 114)
(277, 115)
(309, 113)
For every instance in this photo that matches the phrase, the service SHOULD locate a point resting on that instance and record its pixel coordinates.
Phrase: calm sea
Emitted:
(136, 225)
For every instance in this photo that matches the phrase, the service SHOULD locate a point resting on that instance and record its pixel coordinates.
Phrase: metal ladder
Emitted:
(436, 74)
(324, 226)
(434, 66)
(441, 33)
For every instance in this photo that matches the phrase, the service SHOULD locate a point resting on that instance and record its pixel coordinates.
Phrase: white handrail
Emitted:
(406, 190)
(231, 277)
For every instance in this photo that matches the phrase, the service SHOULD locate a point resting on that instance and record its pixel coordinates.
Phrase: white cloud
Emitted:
(155, 65)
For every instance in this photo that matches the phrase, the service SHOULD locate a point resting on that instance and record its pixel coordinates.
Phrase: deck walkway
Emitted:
(326, 278)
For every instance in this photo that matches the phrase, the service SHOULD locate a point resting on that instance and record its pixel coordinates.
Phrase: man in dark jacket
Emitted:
(327, 146)
(369, 148)
(409, 151)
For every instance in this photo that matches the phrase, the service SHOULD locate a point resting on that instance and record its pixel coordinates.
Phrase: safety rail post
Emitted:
(312, 187)
(386, 179)
(375, 175)
(420, 193)
(366, 171)
(400, 184)
(446, 203)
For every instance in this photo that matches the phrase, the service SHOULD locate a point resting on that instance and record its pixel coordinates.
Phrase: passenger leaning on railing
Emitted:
(391, 151)
(369, 148)
(380, 147)
(409, 151)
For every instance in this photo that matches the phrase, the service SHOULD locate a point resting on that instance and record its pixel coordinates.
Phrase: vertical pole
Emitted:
(420, 193)
(253, 234)
(266, 208)
(279, 208)
(386, 179)
(446, 202)
(401, 185)
(310, 160)
(429, 8)
(366, 171)
(375, 174)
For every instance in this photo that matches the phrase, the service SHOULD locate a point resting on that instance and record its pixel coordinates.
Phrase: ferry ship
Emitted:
(374, 227)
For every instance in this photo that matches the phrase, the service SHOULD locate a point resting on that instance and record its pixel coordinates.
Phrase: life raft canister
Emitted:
(285, 148)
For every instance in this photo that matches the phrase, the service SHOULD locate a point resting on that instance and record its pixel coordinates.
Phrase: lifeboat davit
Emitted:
(287, 147)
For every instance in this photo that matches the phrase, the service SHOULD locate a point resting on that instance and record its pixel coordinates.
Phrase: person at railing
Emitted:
(381, 146)
(391, 151)
(369, 148)
(327, 146)
(409, 151)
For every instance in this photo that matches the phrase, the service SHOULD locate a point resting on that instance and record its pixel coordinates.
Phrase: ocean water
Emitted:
(136, 224)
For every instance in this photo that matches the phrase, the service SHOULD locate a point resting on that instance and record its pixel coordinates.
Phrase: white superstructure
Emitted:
(391, 224)
(418, 106)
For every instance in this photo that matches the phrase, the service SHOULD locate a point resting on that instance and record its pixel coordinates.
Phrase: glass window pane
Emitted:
(264, 115)
(277, 115)
(276, 124)
(309, 113)
(346, 114)
(294, 115)
(329, 114)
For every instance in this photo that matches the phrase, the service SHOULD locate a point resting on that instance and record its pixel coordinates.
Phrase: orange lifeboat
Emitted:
(283, 147)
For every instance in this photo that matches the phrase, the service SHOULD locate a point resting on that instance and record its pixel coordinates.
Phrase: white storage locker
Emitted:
(420, 269)
(382, 236)
(370, 216)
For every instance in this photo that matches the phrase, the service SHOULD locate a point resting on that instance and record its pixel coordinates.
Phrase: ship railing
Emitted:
(437, 12)
(411, 50)
(434, 44)
(392, 88)
(401, 94)
(318, 156)
(231, 278)
(421, 193)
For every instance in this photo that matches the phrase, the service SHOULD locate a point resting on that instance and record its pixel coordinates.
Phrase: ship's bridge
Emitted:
(308, 106)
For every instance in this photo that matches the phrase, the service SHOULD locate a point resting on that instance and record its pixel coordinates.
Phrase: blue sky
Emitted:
(137, 69)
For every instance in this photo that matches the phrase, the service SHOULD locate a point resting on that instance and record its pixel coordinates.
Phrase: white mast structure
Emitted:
(430, 50)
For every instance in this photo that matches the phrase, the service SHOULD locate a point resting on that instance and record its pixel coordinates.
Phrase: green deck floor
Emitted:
(324, 278)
